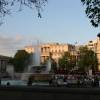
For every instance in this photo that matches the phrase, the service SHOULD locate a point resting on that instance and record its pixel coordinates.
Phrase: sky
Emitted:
(63, 21)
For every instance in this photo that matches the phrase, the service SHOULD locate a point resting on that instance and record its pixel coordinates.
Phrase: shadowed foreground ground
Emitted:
(48, 93)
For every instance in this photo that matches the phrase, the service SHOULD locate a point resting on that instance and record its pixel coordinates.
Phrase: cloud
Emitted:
(18, 38)
(8, 45)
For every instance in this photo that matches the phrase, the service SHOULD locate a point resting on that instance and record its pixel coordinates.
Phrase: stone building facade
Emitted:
(29, 49)
(55, 49)
(3, 63)
(95, 46)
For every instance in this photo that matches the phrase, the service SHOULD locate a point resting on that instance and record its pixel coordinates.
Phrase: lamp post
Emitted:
(65, 63)
(76, 56)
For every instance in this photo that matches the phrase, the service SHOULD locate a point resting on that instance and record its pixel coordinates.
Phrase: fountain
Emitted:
(36, 67)
(39, 72)
(35, 59)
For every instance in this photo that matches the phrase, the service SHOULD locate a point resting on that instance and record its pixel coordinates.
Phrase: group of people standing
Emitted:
(77, 81)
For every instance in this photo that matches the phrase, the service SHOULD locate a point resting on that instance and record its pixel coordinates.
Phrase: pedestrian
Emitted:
(8, 83)
(96, 81)
(30, 81)
(0, 81)
(51, 82)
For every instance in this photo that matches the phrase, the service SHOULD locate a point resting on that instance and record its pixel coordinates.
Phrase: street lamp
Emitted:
(76, 57)
(65, 63)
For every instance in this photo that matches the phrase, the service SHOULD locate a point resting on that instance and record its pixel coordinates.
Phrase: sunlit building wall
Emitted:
(55, 49)
(98, 52)
(29, 49)
(95, 46)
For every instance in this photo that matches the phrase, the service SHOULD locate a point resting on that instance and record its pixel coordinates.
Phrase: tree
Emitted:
(98, 35)
(92, 8)
(92, 11)
(65, 61)
(7, 5)
(21, 60)
(53, 63)
(87, 60)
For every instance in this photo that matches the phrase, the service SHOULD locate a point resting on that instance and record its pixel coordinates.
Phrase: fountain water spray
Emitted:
(35, 65)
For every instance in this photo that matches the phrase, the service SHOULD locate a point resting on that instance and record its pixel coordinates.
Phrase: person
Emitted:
(8, 83)
(0, 81)
(30, 80)
(51, 82)
(96, 81)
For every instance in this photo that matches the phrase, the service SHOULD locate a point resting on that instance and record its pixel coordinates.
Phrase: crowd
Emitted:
(75, 80)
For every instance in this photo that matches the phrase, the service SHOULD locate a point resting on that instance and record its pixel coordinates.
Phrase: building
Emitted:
(3, 63)
(95, 46)
(29, 49)
(98, 52)
(92, 45)
(55, 49)
(4, 66)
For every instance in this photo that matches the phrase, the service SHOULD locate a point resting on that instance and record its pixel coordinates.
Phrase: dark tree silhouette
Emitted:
(92, 11)
(87, 59)
(92, 8)
(98, 35)
(21, 60)
(7, 5)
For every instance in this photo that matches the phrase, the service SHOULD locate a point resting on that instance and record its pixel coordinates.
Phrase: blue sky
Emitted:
(62, 21)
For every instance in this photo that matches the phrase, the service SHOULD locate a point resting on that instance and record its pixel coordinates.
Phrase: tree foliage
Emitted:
(87, 60)
(7, 5)
(92, 8)
(53, 63)
(92, 11)
(21, 60)
(67, 61)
